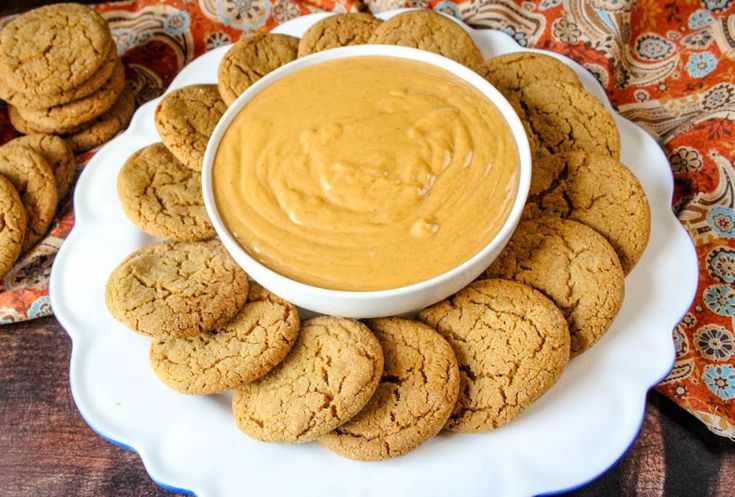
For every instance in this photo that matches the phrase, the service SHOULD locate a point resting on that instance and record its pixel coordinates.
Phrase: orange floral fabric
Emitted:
(668, 65)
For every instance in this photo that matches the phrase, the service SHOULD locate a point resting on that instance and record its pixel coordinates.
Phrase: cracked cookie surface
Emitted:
(245, 349)
(176, 289)
(339, 30)
(327, 378)
(59, 155)
(417, 393)
(106, 126)
(12, 225)
(31, 175)
(432, 32)
(511, 343)
(44, 101)
(571, 264)
(597, 191)
(71, 116)
(162, 196)
(511, 72)
(185, 119)
(250, 59)
(53, 48)
(562, 117)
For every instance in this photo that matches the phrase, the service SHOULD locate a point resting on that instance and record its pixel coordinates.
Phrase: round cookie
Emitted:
(245, 349)
(185, 119)
(31, 175)
(44, 101)
(162, 196)
(12, 225)
(432, 32)
(512, 344)
(72, 116)
(513, 71)
(339, 30)
(597, 191)
(176, 289)
(58, 154)
(571, 264)
(106, 126)
(250, 59)
(327, 378)
(54, 48)
(562, 117)
(416, 394)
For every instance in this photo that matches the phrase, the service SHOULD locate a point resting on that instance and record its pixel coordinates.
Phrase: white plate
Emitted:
(571, 435)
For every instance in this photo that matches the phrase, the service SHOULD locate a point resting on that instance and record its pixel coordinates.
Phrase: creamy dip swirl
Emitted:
(367, 173)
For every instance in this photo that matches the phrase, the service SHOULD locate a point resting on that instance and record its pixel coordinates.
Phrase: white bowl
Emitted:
(368, 304)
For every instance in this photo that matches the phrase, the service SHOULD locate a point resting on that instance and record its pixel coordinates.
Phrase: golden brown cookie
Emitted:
(72, 116)
(432, 32)
(339, 30)
(571, 264)
(185, 119)
(177, 289)
(595, 190)
(12, 225)
(59, 155)
(31, 175)
(245, 349)
(251, 58)
(53, 49)
(416, 394)
(513, 71)
(512, 344)
(105, 127)
(44, 101)
(162, 196)
(562, 117)
(327, 378)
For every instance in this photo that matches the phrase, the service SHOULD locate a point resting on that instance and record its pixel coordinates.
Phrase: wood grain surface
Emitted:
(46, 449)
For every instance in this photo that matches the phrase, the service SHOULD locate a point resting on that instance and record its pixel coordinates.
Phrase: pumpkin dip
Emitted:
(366, 173)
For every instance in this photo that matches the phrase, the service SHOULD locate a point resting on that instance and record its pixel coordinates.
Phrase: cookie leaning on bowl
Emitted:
(571, 264)
(176, 289)
(339, 30)
(512, 72)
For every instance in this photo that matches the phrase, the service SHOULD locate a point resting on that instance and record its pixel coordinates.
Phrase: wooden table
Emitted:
(46, 449)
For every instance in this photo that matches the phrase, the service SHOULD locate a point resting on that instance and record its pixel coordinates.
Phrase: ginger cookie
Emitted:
(185, 119)
(251, 58)
(12, 225)
(72, 116)
(512, 344)
(44, 101)
(511, 72)
(105, 127)
(59, 155)
(571, 264)
(53, 49)
(162, 196)
(416, 394)
(562, 117)
(432, 32)
(176, 289)
(339, 30)
(245, 349)
(31, 175)
(595, 190)
(327, 378)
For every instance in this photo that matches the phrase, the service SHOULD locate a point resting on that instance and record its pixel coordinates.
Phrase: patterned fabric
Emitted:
(667, 65)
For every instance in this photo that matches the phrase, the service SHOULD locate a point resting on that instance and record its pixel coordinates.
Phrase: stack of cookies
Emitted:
(60, 74)
(379, 388)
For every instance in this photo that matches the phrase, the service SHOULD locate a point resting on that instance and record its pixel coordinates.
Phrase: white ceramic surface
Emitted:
(571, 435)
(374, 303)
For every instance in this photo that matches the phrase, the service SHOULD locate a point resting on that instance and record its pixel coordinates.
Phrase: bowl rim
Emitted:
(277, 280)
